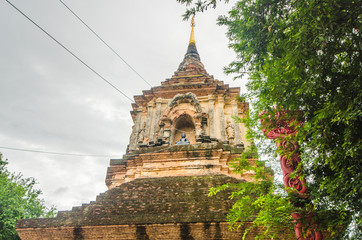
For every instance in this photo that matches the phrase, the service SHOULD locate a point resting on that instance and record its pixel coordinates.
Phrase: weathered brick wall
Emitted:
(157, 208)
(147, 201)
(177, 231)
(186, 160)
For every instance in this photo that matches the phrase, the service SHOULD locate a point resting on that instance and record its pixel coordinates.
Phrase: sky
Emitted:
(50, 102)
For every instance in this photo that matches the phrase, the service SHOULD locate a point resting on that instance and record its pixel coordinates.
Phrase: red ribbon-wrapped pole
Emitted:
(282, 126)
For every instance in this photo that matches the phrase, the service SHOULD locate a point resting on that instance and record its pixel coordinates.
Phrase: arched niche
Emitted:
(185, 111)
(179, 98)
(184, 124)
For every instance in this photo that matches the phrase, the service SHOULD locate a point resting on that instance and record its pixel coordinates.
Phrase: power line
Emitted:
(85, 64)
(82, 155)
(179, 130)
(104, 42)
(55, 153)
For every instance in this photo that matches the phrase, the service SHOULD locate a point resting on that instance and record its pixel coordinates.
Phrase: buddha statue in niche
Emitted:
(183, 140)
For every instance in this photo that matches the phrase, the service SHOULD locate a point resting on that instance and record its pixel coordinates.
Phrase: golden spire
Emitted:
(192, 37)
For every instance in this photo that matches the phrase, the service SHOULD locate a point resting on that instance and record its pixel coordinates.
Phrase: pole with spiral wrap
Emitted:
(283, 126)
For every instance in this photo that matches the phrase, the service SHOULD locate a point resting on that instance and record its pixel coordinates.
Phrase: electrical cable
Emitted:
(85, 64)
(156, 151)
(104, 42)
(55, 153)
(81, 155)
(179, 130)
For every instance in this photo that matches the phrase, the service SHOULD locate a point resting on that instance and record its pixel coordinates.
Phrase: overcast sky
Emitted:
(49, 101)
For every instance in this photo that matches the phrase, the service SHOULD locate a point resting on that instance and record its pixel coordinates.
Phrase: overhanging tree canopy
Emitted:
(306, 55)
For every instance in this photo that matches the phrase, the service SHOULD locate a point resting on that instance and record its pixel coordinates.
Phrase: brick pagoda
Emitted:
(183, 138)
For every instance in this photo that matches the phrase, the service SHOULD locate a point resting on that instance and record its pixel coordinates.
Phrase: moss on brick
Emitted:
(149, 201)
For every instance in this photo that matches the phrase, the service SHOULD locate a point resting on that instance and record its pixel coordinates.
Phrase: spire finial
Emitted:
(192, 37)
(191, 55)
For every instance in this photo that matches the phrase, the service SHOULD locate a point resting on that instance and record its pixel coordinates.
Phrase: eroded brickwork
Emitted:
(145, 201)
(160, 208)
(171, 231)
(189, 160)
(159, 189)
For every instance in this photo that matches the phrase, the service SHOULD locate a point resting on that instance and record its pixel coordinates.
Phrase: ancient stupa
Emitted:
(183, 138)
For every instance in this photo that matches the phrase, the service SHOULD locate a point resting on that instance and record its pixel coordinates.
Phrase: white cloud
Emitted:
(49, 101)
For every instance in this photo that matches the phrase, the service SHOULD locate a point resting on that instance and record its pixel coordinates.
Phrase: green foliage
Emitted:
(18, 200)
(258, 201)
(199, 6)
(306, 55)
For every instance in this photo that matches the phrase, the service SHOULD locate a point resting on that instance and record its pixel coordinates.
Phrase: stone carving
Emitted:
(189, 95)
(230, 131)
(203, 126)
(183, 140)
(161, 130)
(282, 127)
(141, 133)
(183, 104)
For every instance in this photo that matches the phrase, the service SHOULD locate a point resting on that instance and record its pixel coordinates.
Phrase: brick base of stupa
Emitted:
(154, 208)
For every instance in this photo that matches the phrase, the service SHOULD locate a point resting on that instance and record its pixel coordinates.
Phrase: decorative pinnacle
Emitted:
(192, 37)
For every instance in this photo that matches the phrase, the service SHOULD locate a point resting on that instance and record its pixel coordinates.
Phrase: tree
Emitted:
(18, 200)
(259, 201)
(306, 56)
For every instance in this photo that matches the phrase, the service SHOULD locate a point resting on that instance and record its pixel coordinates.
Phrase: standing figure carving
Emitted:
(203, 126)
(161, 130)
(141, 133)
(230, 132)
